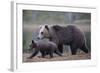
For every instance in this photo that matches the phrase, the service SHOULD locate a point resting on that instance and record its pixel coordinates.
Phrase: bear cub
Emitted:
(44, 47)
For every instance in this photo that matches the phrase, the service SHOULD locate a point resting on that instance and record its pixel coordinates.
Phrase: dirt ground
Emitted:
(65, 56)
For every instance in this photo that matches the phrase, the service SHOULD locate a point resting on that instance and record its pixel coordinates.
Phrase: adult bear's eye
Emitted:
(41, 32)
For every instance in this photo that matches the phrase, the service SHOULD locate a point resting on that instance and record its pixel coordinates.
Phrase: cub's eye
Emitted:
(41, 32)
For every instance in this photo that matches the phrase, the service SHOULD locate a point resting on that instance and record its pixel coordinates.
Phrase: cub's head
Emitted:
(32, 45)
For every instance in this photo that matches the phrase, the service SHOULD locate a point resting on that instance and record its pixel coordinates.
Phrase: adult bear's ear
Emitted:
(57, 27)
(46, 26)
(32, 41)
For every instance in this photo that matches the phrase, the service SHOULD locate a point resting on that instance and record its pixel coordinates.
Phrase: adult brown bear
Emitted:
(61, 35)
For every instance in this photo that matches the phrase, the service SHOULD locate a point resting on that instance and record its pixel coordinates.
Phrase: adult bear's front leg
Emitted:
(60, 48)
(73, 49)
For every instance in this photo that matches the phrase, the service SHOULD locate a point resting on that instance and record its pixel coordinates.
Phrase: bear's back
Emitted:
(45, 44)
(68, 34)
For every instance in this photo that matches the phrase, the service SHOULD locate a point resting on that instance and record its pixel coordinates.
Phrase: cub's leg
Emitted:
(34, 54)
(57, 52)
(43, 54)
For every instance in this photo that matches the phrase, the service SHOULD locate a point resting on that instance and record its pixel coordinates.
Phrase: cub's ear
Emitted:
(32, 41)
(57, 27)
(46, 26)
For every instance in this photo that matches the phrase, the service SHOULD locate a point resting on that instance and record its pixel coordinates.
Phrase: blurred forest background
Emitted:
(32, 19)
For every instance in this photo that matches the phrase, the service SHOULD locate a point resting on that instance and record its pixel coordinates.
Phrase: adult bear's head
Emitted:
(48, 31)
(43, 32)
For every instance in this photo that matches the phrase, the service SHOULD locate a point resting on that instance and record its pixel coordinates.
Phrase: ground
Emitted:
(65, 57)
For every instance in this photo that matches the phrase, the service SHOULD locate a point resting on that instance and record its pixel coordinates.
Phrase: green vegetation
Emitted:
(49, 17)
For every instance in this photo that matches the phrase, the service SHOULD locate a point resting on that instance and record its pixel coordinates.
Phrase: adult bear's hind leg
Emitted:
(84, 48)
